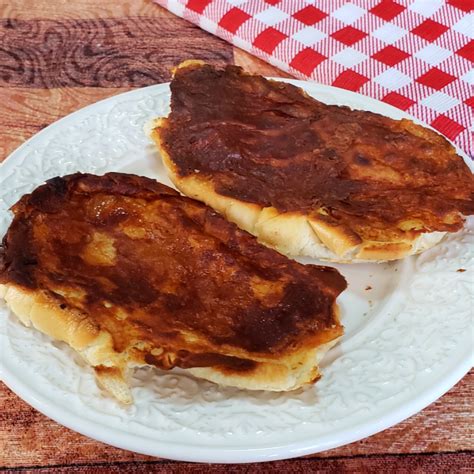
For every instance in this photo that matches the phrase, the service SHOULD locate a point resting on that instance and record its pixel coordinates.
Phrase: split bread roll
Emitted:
(308, 178)
(129, 273)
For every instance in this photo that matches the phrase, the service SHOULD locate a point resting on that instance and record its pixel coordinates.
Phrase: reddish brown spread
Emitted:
(268, 143)
(148, 264)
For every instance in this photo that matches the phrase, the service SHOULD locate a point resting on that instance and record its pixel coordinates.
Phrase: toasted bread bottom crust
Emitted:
(37, 309)
(291, 233)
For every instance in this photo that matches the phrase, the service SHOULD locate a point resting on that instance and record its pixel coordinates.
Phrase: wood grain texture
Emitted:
(445, 426)
(66, 9)
(58, 56)
(131, 52)
(408, 464)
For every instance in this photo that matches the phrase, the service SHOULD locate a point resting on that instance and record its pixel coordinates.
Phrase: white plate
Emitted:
(407, 341)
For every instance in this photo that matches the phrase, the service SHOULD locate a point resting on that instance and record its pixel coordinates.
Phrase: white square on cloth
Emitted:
(465, 25)
(393, 79)
(271, 16)
(440, 102)
(426, 7)
(389, 33)
(309, 36)
(349, 57)
(348, 13)
(433, 54)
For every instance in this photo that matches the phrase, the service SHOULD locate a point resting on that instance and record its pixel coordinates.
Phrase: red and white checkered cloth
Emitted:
(414, 54)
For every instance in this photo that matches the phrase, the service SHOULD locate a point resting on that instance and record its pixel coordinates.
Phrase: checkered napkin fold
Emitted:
(415, 55)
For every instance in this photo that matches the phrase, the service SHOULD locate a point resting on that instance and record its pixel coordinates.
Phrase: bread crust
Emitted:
(39, 310)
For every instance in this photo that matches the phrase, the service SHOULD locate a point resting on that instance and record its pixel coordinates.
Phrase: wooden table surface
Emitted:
(58, 56)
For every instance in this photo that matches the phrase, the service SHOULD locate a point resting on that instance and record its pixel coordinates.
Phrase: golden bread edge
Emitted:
(35, 308)
(291, 233)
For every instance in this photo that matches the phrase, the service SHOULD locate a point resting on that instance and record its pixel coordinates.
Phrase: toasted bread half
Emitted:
(129, 273)
(308, 178)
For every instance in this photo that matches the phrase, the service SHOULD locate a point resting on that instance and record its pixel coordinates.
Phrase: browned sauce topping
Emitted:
(187, 360)
(268, 143)
(148, 264)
